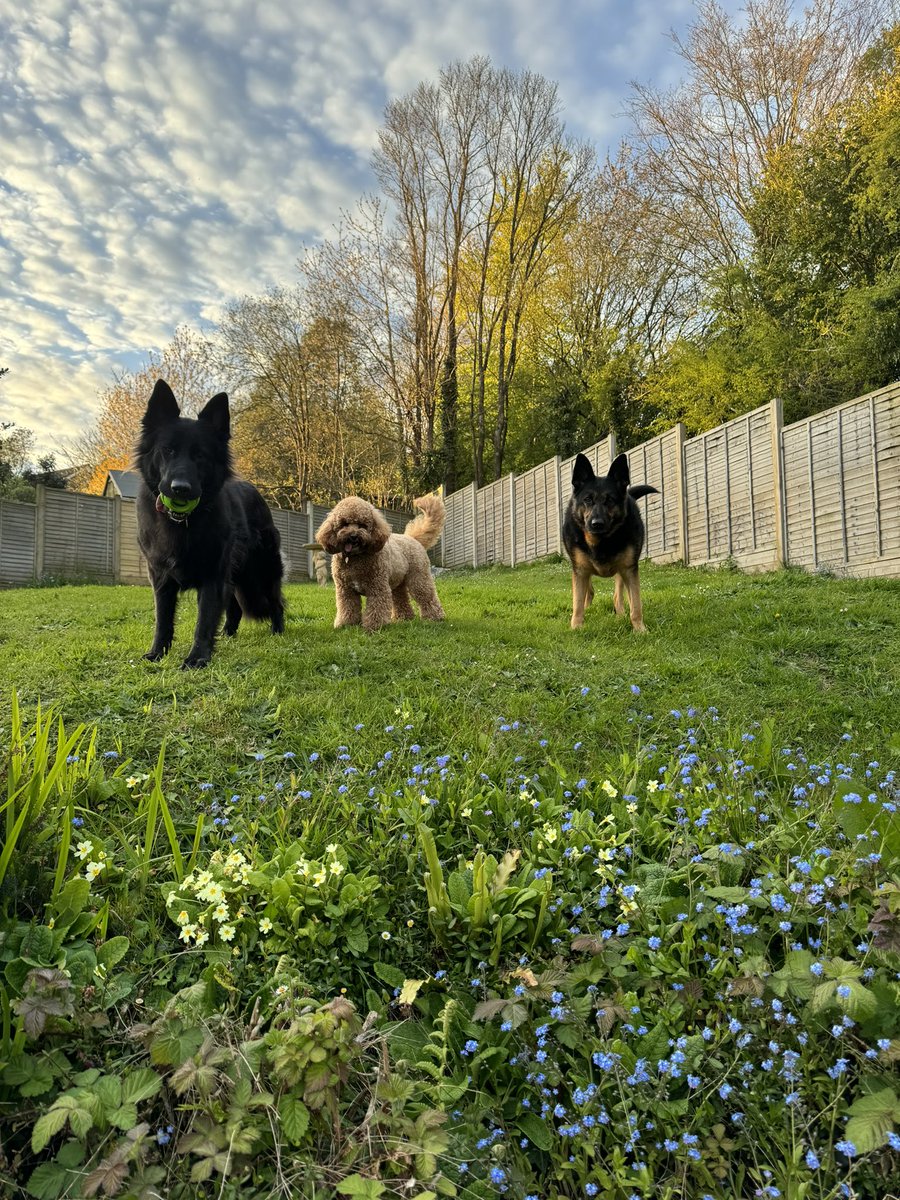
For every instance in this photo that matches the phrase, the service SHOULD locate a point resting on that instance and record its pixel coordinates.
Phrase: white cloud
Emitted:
(162, 158)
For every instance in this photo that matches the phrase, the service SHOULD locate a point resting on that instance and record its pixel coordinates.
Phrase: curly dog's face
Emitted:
(353, 529)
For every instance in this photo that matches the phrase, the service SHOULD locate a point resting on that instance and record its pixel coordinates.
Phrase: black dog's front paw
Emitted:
(195, 661)
(154, 655)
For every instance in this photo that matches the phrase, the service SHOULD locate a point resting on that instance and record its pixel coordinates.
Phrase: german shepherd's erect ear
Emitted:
(618, 471)
(216, 412)
(162, 407)
(582, 472)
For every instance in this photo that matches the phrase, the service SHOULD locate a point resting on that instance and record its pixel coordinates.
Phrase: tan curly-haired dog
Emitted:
(387, 568)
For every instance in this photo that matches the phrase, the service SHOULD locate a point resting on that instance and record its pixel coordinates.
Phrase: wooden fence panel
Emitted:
(295, 533)
(842, 485)
(537, 517)
(132, 566)
(730, 503)
(656, 462)
(493, 523)
(79, 534)
(18, 541)
(459, 529)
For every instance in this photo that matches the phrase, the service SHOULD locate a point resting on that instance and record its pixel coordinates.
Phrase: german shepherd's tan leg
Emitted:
(634, 601)
(590, 594)
(618, 603)
(581, 585)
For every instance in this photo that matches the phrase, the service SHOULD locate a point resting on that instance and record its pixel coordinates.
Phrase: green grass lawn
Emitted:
(818, 655)
(489, 908)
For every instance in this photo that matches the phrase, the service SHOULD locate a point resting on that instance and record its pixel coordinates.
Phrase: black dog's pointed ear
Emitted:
(162, 406)
(216, 412)
(619, 472)
(582, 472)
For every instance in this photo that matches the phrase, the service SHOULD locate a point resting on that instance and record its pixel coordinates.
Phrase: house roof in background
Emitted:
(126, 483)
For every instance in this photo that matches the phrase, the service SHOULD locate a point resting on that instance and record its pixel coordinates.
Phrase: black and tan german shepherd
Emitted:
(201, 528)
(604, 535)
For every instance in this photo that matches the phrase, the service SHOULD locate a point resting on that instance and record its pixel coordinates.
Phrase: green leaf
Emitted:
(15, 973)
(795, 976)
(41, 1080)
(392, 976)
(140, 1085)
(355, 1185)
(536, 1130)
(71, 901)
(48, 1181)
(294, 1117)
(19, 1069)
(871, 1119)
(124, 1117)
(357, 940)
(117, 988)
(112, 951)
(37, 945)
(47, 1126)
(108, 1090)
(731, 895)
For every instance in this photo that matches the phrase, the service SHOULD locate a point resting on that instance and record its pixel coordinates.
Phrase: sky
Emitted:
(158, 159)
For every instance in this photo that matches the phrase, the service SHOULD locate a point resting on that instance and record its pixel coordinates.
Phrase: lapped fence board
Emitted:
(493, 523)
(79, 534)
(730, 493)
(18, 541)
(657, 462)
(842, 486)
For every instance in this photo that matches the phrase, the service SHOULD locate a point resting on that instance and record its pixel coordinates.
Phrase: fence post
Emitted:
(40, 517)
(681, 492)
(474, 488)
(310, 521)
(512, 518)
(777, 422)
(117, 539)
(611, 440)
(557, 462)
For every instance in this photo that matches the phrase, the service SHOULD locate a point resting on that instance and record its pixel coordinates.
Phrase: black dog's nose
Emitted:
(180, 490)
(595, 523)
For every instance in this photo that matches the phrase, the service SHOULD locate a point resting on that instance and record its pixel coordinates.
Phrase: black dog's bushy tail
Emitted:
(637, 490)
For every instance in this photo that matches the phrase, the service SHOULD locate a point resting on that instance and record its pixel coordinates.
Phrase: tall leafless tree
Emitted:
(753, 85)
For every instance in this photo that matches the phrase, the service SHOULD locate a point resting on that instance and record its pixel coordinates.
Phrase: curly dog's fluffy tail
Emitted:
(427, 526)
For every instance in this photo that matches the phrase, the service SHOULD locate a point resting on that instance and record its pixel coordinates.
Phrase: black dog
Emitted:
(200, 527)
(604, 535)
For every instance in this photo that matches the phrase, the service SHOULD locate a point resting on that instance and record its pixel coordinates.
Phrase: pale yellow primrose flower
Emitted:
(607, 787)
(92, 870)
(226, 932)
(265, 925)
(83, 850)
(221, 913)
